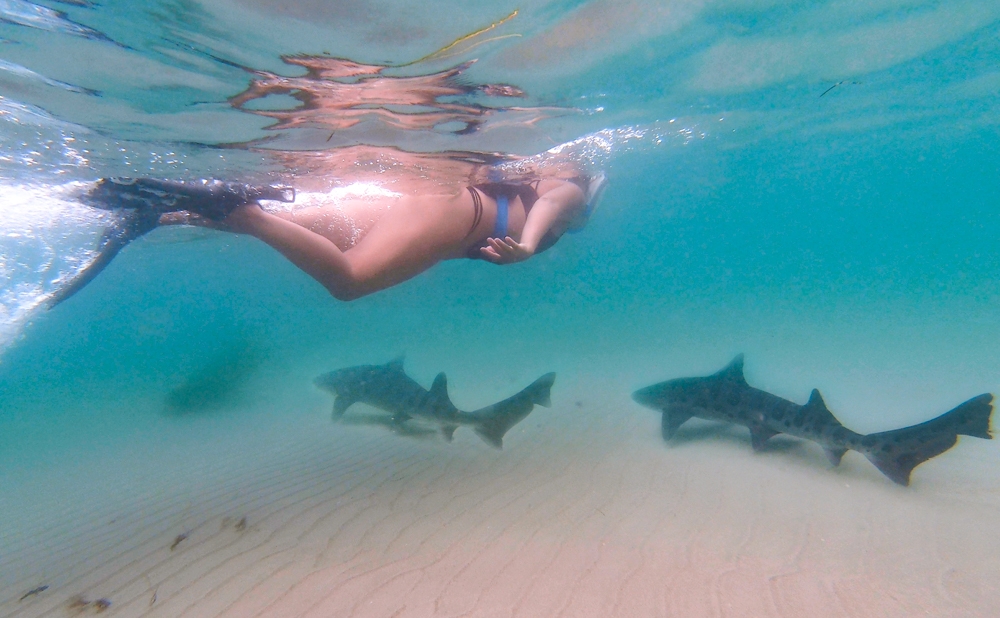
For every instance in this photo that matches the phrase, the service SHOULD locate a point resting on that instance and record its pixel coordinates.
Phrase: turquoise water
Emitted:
(812, 184)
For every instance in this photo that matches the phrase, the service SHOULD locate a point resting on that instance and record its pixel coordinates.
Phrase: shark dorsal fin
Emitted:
(396, 363)
(439, 389)
(817, 414)
(734, 370)
(816, 400)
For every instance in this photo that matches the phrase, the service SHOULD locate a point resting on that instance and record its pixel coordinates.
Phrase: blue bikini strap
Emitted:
(500, 227)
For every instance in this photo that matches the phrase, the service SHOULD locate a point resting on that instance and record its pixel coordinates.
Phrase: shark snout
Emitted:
(651, 397)
(328, 381)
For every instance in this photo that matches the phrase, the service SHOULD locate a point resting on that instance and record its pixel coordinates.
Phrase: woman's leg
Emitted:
(344, 223)
(409, 238)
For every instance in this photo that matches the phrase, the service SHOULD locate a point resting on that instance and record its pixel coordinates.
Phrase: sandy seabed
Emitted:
(584, 513)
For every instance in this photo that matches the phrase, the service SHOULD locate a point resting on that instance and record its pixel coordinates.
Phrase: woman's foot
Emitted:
(244, 219)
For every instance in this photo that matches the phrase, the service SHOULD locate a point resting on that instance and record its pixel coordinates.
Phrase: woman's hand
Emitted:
(506, 251)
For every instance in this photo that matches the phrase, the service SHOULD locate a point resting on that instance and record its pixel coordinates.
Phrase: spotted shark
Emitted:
(726, 396)
(388, 388)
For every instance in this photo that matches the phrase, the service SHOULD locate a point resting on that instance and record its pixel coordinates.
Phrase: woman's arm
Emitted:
(553, 210)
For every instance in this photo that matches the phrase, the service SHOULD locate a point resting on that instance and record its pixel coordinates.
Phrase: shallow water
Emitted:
(811, 184)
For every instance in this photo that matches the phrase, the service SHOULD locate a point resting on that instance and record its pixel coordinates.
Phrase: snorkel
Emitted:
(595, 190)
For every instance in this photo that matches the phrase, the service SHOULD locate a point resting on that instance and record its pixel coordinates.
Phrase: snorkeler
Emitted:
(355, 246)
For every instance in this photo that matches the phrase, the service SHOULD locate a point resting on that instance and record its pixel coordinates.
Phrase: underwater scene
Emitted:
(555, 308)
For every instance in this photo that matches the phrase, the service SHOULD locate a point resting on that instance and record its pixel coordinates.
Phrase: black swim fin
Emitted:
(131, 225)
(213, 199)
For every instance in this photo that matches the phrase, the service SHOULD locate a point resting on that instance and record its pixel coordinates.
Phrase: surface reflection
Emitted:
(337, 93)
(385, 104)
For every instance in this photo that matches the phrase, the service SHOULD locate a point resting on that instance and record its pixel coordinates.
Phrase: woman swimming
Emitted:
(360, 245)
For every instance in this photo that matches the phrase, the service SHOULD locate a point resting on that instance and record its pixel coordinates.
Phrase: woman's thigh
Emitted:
(409, 238)
(344, 222)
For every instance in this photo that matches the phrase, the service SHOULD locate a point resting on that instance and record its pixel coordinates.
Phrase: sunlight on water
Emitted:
(47, 237)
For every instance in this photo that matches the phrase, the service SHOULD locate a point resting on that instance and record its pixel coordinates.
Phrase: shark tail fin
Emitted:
(540, 391)
(898, 463)
(492, 422)
(972, 418)
(896, 453)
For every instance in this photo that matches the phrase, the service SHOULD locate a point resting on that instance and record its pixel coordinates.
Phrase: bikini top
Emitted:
(503, 193)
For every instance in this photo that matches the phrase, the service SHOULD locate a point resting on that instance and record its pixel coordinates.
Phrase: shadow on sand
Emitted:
(217, 383)
(786, 446)
(407, 429)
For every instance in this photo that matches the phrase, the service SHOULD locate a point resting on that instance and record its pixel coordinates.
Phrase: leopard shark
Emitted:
(726, 396)
(388, 388)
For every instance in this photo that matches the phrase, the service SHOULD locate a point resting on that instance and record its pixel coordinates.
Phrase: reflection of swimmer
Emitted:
(354, 247)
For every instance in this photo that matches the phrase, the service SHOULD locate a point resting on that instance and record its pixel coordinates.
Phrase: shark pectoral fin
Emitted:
(448, 431)
(834, 455)
(340, 405)
(671, 422)
(759, 435)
